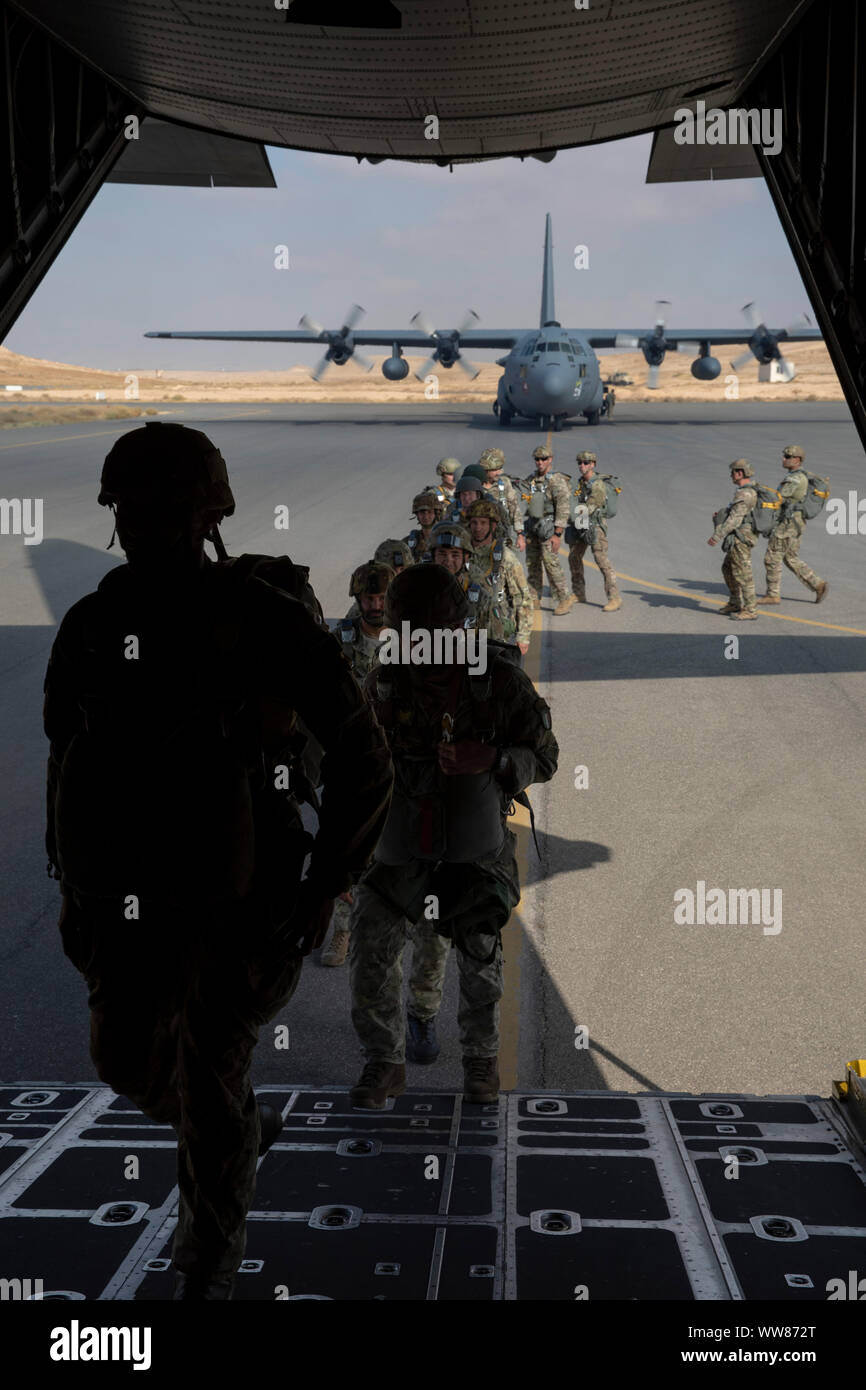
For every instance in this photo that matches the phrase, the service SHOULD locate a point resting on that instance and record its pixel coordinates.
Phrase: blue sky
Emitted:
(397, 238)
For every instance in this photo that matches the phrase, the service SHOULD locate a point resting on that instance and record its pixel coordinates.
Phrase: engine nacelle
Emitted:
(340, 356)
(395, 368)
(706, 368)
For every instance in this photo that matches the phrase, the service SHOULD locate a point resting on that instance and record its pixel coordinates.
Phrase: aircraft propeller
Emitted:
(447, 350)
(654, 345)
(764, 345)
(340, 344)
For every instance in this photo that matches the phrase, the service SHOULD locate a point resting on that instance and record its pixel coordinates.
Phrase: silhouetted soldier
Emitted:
(171, 701)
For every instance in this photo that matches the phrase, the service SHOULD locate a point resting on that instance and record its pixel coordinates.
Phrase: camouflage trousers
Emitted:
(175, 1009)
(577, 550)
(429, 960)
(783, 548)
(737, 574)
(539, 553)
(379, 936)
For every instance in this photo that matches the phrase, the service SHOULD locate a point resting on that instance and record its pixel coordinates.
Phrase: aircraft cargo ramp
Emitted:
(545, 1196)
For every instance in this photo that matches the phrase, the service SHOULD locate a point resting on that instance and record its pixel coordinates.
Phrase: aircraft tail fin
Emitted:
(548, 312)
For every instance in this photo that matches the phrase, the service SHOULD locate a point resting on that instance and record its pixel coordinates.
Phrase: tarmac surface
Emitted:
(739, 772)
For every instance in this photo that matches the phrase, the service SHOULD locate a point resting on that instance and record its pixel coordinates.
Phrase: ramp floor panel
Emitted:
(544, 1196)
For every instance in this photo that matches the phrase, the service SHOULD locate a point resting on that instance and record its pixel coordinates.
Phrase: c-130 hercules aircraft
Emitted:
(549, 374)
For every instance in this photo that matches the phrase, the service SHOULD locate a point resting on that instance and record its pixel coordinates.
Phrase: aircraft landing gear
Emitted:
(557, 423)
(496, 407)
(592, 417)
(505, 416)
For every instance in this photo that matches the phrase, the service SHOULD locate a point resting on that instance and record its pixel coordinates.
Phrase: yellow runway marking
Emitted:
(719, 603)
(512, 941)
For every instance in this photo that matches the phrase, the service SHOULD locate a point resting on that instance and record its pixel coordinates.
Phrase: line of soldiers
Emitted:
(736, 531)
(174, 699)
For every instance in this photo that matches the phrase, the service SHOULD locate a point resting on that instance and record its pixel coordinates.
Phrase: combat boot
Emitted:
(731, 608)
(337, 949)
(580, 596)
(770, 598)
(481, 1080)
(270, 1126)
(821, 590)
(613, 603)
(536, 603)
(564, 606)
(422, 1045)
(378, 1081)
(746, 615)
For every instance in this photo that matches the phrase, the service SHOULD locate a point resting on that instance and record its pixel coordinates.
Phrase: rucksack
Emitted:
(816, 496)
(612, 490)
(168, 793)
(764, 516)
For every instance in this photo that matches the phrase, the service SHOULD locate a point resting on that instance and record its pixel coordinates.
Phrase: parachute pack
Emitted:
(612, 489)
(764, 516)
(816, 497)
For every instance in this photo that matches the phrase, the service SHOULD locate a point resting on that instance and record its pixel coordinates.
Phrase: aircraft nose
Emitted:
(555, 382)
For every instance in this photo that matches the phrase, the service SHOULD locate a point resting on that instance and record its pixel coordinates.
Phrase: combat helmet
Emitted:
(541, 451)
(452, 534)
(451, 466)
(394, 553)
(435, 501)
(586, 456)
(744, 466)
(794, 451)
(372, 577)
(167, 463)
(476, 471)
(425, 597)
(468, 482)
(485, 506)
(492, 459)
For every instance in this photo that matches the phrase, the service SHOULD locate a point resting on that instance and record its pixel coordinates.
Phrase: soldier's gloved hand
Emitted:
(521, 541)
(555, 543)
(523, 647)
(466, 756)
(712, 541)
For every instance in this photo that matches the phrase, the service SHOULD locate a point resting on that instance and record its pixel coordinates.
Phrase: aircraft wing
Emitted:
(721, 337)
(378, 337)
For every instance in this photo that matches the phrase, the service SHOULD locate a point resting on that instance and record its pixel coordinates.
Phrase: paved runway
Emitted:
(738, 773)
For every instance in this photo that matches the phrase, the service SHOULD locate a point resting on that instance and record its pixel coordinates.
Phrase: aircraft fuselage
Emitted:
(550, 375)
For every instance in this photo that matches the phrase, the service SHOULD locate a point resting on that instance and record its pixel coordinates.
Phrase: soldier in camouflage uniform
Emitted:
(502, 489)
(556, 511)
(427, 508)
(591, 494)
(463, 747)
(359, 639)
(179, 861)
(503, 572)
(478, 472)
(451, 544)
(734, 530)
(447, 470)
(784, 544)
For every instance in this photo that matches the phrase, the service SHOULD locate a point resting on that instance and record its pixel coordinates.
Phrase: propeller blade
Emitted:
(469, 322)
(321, 367)
(660, 318)
(751, 315)
(802, 322)
(311, 326)
(692, 348)
(468, 367)
(652, 380)
(365, 363)
(427, 367)
(787, 369)
(744, 357)
(423, 324)
(355, 313)
(625, 340)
